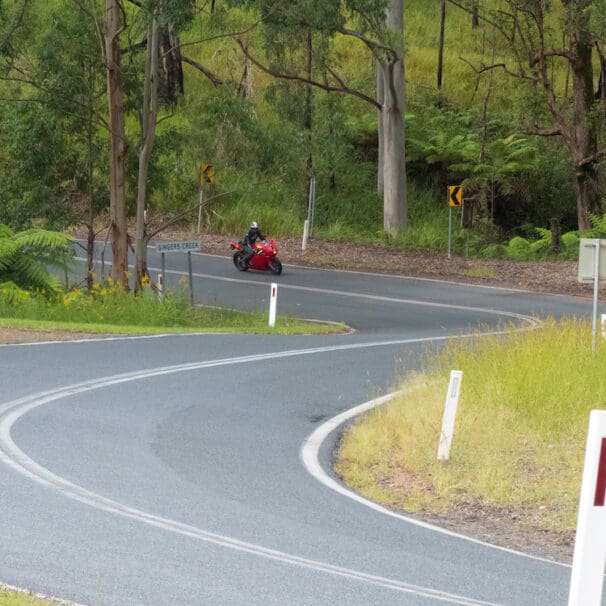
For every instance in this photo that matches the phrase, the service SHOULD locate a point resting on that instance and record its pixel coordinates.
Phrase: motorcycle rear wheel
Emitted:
(275, 266)
(239, 261)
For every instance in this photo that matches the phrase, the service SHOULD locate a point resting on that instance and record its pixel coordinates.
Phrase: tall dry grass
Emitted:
(519, 436)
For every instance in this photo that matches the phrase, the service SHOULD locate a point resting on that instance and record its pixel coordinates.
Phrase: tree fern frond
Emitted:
(32, 273)
(5, 231)
(42, 238)
(544, 234)
(8, 250)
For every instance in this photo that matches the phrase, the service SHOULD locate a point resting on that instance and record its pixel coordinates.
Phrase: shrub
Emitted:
(519, 249)
(570, 245)
(494, 251)
(540, 249)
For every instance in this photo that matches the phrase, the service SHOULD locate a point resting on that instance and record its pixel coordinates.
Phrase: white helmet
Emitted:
(254, 225)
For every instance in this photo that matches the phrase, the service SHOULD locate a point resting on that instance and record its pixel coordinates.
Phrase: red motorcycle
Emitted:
(264, 257)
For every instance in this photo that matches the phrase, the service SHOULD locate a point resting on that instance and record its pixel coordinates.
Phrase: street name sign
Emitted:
(186, 246)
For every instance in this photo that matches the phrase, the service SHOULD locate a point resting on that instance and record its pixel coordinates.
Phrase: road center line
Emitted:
(342, 293)
(358, 295)
(17, 460)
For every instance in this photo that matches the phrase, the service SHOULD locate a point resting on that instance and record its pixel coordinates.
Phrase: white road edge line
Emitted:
(355, 294)
(534, 323)
(17, 460)
(309, 454)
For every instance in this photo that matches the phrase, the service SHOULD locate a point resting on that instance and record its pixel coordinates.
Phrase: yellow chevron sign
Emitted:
(207, 174)
(455, 195)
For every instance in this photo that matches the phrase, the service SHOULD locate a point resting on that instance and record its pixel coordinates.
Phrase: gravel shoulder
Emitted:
(494, 525)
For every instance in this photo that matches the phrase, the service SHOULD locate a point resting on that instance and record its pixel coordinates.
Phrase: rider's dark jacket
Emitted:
(252, 235)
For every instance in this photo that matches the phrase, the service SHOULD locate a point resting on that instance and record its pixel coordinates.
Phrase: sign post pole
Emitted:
(449, 229)
(587, 579)
(200, 201)
(207, 175)
(596, 288)
(455, 198)
(592, 270)
(191, 279)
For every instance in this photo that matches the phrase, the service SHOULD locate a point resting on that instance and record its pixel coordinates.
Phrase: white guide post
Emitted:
(450, 412)
(305, 234)
(200, 204)
(587, 577)
(273, 301)
(160, 284)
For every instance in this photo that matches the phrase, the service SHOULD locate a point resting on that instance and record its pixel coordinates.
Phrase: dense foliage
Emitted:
(27, 258)
(265, 135)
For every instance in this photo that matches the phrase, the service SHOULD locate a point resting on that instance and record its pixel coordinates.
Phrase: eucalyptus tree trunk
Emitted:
(585, 146)
(441, 43)
(149, 120)
(380, 100)
(391, 69)
(308, 118)
(118, 144)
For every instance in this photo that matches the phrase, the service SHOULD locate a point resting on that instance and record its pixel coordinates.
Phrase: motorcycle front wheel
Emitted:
(239, 261)
(275, 266)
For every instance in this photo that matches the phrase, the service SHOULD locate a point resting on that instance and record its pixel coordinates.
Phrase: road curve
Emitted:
(168, 470)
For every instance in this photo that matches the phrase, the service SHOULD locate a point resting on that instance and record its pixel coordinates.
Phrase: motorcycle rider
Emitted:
(252, 235)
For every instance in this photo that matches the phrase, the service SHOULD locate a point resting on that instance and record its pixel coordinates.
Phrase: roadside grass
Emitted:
(13, 598)
(520, 431)
(106, 309)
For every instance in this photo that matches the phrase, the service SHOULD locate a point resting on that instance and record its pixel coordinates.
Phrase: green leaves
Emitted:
(25, 258)
(8, 249)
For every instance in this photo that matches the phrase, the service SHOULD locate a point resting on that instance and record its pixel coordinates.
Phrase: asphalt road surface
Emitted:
(194, 470)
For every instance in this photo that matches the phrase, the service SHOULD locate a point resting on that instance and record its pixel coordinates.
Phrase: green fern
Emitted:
(8, 250)
(27, 257)
(41, 239)
(599, 226)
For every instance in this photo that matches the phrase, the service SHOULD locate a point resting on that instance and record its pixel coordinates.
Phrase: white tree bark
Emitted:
(394, 169)
(149, 120)
(381, 100)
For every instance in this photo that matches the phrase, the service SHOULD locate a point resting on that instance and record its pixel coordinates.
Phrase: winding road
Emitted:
(195, 470)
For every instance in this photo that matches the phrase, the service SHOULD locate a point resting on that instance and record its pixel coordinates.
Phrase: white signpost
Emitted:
(186, 246)
(311, 211)
(587, 577)
(450, 413)
(273, 303)
(592, 269)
